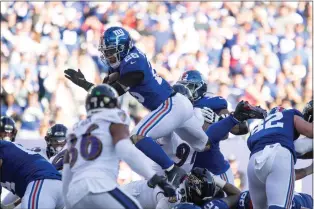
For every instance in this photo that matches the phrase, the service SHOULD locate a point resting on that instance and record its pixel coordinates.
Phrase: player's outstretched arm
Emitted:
(239, 129)
(232, 192)
(303, 127)
(303, 172)
(78, 78)
(128, 152)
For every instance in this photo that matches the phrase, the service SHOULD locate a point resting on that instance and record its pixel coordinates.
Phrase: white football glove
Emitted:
(209, 115)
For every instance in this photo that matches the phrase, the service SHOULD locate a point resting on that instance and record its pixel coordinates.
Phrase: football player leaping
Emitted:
(94, 147)
(130, 70)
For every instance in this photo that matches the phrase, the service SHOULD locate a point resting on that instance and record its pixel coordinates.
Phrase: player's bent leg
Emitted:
(257, 186)
(114, 199)
(166, 118)
(280, 181)
(192, 132)
(161, 122)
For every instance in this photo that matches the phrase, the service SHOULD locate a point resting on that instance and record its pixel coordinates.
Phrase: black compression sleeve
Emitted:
(132, 78)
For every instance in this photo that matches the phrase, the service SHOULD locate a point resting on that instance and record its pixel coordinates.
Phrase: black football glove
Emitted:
(161, 181)
(78, 78)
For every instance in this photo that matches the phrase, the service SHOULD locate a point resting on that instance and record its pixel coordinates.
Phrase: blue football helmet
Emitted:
(194, 80)
(276, 109)
(186, 206)
(114, 46)
(55, 139)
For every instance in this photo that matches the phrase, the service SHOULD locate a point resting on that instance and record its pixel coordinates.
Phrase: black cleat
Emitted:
(176, 176)
(246, 111)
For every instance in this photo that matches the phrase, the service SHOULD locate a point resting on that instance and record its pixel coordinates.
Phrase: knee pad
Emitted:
(136, 138)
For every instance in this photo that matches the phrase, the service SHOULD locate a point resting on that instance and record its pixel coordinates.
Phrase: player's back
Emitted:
(275, 128)
(153, 90)
(91, 148)
(22, 166)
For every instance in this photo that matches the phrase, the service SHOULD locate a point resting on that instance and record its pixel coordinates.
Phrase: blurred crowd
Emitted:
(260, 52)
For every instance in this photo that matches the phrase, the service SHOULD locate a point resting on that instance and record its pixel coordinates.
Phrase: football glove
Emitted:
(161, 181)
(78, 78)
(209, 115)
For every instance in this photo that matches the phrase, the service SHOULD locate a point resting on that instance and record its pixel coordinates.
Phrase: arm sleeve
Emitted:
(134, 158)
(128, 80)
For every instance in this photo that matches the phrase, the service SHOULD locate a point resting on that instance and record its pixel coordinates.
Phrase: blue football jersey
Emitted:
(217, 163)
(302, 200)
(21, 166)
(215, 204)
(275, 128)
(153, 90)
(215, 103)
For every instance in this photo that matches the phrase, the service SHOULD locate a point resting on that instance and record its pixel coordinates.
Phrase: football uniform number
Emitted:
(272, 121)
(242, 198)
(210, 205)
(90, 147)
(182, 152)
(130, 56)
(157, 77)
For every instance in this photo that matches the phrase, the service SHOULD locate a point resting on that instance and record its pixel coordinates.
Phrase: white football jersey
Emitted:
(178, 150)
(92, 153)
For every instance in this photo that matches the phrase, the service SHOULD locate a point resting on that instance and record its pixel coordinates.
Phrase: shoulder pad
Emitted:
(113, 115)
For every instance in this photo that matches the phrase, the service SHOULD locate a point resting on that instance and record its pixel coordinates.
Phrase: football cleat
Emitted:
(246, 111)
